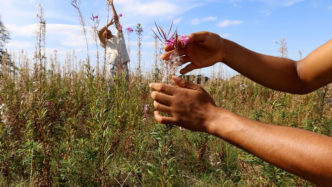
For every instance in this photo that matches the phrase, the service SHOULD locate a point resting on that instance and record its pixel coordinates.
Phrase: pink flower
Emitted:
(171, 42)
(94, 18)
(129, 29)
(48, 104)
(120, 15)
(185, 39)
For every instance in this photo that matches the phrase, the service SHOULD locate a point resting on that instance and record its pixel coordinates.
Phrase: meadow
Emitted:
(70, 124)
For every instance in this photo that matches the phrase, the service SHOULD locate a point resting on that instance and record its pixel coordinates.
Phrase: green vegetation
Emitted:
(78, 129)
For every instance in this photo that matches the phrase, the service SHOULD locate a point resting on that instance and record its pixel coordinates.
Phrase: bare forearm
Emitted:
(103, 29)
(300, 152)
(115, 15)
(273, 72)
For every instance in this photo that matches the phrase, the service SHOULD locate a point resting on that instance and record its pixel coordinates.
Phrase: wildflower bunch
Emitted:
(176, 41)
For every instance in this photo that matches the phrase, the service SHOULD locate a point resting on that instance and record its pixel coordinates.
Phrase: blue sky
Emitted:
(255, 24)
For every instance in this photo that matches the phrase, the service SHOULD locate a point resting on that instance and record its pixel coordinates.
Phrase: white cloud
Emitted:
(25, 31)
(61, 34)
(198, 21)
(19, 44)
(227, 22)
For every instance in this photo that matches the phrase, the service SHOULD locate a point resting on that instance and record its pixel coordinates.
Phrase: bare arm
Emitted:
(101, 33)
(282, 74)
(115, 16)
(303, 153)
(205, 49)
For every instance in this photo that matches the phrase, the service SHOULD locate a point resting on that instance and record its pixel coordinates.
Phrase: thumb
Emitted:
(188, 68)
(185, 84)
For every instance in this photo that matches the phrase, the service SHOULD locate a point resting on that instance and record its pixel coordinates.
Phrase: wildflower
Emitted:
(184, 39)
(48, 104)
(129, 29)
(171, 42)
(94, 18)
(120, 15)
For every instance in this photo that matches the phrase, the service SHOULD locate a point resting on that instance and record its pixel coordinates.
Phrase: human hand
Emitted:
(202, 50)
(110, 22)
(187, 104)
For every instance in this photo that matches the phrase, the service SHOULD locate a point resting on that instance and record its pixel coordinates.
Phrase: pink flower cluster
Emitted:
(182, 39)
(129, 29)
(94, 18)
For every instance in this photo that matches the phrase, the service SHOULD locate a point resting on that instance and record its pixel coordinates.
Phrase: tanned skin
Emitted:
(301, 152)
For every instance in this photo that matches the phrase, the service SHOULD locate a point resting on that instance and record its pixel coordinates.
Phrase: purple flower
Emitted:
(120, 15)
(48, 104)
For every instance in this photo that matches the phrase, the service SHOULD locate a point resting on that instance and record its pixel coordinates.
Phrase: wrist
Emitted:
(221, 122)
(211, 122)
(226, 50)
(222, 43)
